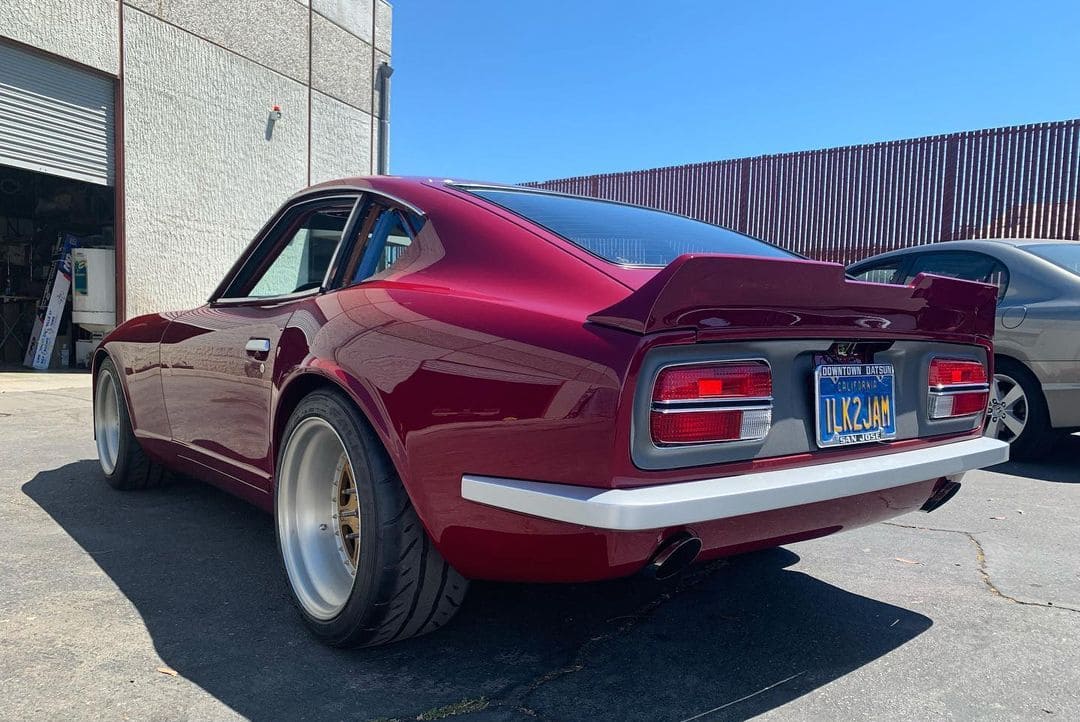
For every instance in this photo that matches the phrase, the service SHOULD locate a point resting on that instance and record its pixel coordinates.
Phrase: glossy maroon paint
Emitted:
(475, 355)
(202, 352)
(770, 295)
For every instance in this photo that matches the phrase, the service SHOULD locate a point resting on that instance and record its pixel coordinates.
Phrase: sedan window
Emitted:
(964, 265)
(1062, 255)
(881, 273)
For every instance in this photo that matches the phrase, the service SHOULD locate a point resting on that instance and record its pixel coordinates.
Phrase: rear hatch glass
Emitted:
(625, 234)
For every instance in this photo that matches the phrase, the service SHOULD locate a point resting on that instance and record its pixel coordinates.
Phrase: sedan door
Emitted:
(219, 360)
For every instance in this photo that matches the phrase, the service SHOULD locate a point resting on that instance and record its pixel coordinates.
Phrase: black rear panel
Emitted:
(793, 418)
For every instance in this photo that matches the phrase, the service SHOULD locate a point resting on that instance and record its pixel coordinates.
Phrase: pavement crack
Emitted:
(464, 707)
(59, 394)
(984, 573)
(745, 697)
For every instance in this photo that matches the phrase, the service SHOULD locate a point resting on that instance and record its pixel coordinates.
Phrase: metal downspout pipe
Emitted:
(382, 164)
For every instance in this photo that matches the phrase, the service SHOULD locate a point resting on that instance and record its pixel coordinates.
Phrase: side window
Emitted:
(881, 273)
(966, 265)
(296, 254)
(999, 276)
(390, 237)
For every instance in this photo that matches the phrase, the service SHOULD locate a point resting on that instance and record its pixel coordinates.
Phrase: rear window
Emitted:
(1062, 255)
(623, 234)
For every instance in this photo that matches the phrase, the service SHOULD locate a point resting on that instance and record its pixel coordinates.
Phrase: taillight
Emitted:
(958, 388)
(729, 401)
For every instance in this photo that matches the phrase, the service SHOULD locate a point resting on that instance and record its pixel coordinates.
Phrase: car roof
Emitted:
(383, 182)
(387, 184)
(1000, 241)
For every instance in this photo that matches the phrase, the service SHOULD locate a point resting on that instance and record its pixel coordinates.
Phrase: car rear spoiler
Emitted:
(730, 293)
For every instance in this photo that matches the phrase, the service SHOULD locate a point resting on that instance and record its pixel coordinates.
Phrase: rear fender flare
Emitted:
(100, 354)
(322, 374)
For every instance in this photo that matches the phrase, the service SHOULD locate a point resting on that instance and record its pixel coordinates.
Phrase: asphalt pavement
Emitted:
(170, 604)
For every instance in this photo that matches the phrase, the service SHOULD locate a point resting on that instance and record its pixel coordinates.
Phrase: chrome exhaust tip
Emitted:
(673, 556)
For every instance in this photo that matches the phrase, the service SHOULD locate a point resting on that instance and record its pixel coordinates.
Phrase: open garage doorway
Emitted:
(43, 217)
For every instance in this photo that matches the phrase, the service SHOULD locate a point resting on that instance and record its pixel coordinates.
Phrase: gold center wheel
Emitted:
(347, 514)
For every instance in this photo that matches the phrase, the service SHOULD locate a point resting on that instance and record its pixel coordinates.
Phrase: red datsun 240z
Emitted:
(428, 381)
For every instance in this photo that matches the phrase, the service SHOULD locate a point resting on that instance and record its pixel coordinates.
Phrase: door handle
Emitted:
(257, 346)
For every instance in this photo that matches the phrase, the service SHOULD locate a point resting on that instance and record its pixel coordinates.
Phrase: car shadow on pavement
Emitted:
(734, 639)
(1059, 465)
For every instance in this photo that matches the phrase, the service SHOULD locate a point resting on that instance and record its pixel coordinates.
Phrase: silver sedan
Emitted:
(1037, 340)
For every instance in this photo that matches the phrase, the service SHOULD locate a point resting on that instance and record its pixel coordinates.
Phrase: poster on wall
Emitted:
(50, 311)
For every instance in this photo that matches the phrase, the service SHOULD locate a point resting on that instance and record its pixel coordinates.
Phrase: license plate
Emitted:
(856, 403)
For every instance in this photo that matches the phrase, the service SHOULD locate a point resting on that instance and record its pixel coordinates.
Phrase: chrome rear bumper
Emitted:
(655, 507)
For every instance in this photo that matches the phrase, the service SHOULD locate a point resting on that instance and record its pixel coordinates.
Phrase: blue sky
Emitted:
(515, 90)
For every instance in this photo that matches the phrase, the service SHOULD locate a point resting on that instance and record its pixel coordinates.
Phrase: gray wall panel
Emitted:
(270, 32)
(353, 15)
(341, 64)
(201, 177)
(85, 31)
(340, 140)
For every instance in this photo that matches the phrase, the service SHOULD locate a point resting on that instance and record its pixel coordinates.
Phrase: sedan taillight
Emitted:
(730, 401)
(958, 388)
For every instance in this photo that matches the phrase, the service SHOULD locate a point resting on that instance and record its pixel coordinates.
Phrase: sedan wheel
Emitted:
(1007, 414)
(1017, 412)
(360, 565)
(319, 518)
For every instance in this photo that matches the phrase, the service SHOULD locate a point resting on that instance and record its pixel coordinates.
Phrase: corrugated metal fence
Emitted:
(843, 204)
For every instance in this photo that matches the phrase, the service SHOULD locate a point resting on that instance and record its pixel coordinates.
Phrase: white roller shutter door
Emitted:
(55, 118)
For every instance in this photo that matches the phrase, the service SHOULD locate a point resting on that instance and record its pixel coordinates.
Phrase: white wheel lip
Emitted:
(317, 567)
(1002, 409)
(107, 421)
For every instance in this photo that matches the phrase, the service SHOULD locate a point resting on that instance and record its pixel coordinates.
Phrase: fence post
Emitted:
(744, 195)
(948, 191)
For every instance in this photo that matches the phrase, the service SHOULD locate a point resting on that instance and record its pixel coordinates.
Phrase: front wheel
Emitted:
(1018, 413)
(361, 567)
(123, 461)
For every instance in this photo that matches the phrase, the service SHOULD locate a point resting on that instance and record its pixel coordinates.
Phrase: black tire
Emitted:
(403, 587)
(132, 468)
(1037, 438)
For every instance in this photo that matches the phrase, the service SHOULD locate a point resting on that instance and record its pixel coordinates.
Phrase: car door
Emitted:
(219, 359)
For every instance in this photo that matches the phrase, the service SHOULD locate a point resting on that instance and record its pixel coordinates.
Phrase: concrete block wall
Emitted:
(200, 172)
